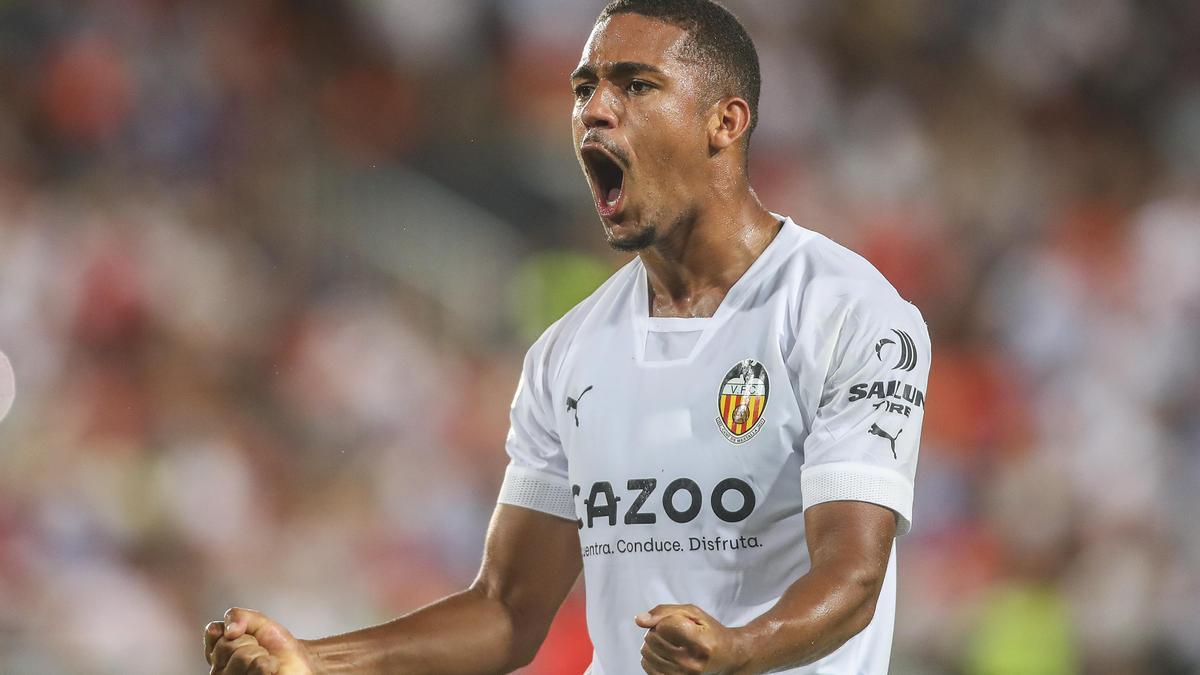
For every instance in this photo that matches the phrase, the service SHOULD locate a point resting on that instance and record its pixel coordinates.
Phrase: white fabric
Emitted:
(536, 490)
(685, 496)
(848, 480)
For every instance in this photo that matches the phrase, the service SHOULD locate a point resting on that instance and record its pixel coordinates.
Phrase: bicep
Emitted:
(864, 438)
(530, 562)
(531, 556)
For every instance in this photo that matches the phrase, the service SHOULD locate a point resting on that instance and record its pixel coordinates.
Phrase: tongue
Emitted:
(612, 196)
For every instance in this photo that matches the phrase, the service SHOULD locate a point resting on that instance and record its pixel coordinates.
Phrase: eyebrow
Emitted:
(617, 69)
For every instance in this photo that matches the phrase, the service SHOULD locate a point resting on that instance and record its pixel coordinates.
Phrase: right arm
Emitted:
(531, 560)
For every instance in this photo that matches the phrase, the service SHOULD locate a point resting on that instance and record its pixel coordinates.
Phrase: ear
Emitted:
(728, 122)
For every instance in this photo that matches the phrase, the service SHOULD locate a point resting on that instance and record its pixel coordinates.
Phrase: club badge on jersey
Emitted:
(743, 397)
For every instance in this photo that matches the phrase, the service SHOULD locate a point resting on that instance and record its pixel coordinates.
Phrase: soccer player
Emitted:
(723, 437)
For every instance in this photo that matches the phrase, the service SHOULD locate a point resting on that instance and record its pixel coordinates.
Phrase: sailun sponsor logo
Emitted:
(902, 349)
(896, 396)
(741, 401)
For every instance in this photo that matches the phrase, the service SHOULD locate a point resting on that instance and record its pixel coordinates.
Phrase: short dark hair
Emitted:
(716, 38)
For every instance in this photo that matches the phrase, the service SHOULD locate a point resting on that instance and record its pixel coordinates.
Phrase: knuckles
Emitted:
(243, 653)
(697, 640)
(249, 659)
(223, 651)
(233, 651)
(678, 627)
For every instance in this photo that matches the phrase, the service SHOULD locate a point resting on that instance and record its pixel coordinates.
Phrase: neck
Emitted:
(692, 268)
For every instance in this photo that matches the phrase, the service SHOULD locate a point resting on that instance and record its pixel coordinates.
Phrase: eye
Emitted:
(583, 91)
(639, 87)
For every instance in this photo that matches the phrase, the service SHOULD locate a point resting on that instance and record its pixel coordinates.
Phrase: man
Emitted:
(723, 436)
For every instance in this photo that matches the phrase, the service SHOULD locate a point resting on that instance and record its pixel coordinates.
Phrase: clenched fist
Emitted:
(248, 643)
(683, 639)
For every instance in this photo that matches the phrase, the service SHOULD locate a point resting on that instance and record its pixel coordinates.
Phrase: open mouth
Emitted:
(608, 180)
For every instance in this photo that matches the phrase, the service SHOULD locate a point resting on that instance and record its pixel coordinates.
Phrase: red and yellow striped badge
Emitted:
(742, 399)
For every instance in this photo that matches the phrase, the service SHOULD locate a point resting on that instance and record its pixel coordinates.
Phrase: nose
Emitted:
(600, 110)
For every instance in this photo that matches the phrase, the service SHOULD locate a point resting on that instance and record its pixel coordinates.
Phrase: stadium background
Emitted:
(268, 269)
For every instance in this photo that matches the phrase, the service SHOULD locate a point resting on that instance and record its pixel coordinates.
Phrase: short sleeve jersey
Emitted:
(686, 450)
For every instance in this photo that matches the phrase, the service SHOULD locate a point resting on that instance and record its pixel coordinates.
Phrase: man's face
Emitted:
(638, 127)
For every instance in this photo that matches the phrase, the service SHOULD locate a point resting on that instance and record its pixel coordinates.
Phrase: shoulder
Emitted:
(599, 308)
(836, 290)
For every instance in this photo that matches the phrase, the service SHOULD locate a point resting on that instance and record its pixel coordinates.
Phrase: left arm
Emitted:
(849, 543)
(860, 461)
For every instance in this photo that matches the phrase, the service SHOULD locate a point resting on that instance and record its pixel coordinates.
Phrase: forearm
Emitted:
(468, 632)
(816, 615)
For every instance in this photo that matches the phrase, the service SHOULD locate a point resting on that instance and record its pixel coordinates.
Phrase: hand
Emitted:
(685, 639)
(249, 643)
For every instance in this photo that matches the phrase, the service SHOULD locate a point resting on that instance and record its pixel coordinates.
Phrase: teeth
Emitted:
(613, 195)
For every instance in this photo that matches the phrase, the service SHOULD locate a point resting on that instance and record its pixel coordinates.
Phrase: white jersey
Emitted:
(687, 450)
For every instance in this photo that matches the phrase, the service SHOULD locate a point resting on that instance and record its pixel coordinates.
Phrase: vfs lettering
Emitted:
(682, 501)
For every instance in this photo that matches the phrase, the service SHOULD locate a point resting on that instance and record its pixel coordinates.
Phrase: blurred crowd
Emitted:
(267, 271)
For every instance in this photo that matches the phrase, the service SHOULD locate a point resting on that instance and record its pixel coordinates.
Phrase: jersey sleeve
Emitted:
(866, 432)
(536, 477)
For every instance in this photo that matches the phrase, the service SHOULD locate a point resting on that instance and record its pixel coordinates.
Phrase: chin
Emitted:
(642, 237)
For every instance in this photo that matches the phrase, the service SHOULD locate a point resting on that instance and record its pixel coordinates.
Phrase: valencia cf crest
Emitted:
(741, 402)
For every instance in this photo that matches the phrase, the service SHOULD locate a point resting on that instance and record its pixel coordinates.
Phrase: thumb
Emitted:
(276, 639)
(651, 618)
(239, 622)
